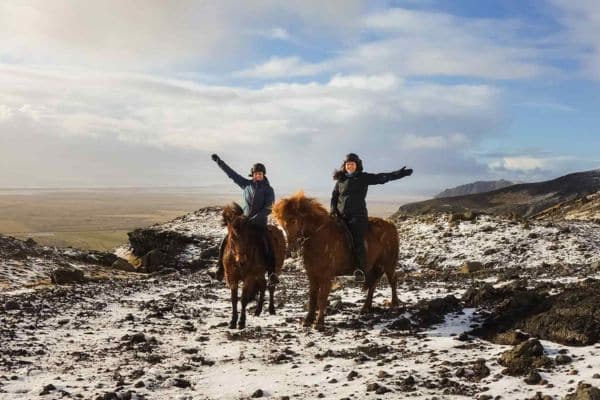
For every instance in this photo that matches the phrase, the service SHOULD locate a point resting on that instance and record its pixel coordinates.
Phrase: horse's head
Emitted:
(297, 214)
(230, 213)
(242, 239)
(238, 230)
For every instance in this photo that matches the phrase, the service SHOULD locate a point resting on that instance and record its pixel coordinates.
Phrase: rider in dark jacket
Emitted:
(348, 203)
(258, 201)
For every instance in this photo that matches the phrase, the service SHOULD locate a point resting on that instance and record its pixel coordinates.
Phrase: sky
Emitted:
(141, 92)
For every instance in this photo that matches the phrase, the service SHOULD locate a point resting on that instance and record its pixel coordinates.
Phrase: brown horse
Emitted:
(326, 251)
(244, 261)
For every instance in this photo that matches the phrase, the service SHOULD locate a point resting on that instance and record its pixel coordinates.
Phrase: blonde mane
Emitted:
(299, 207)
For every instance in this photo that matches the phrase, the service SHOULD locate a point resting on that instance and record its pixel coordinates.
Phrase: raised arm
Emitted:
(380, 179)
(237, 178)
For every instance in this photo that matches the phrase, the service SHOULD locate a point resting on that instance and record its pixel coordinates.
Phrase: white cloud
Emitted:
(425, 43)
(376, 114)
(156, 34)
(5, 112)
(521, 163)
(581, 18)
(282, 67)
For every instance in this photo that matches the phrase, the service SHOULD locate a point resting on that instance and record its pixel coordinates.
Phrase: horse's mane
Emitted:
(230, 213)
(299, 206)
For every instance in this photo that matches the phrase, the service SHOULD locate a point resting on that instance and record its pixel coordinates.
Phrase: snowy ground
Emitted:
(166, 337)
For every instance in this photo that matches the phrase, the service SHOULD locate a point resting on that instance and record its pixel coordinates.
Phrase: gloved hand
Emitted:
(215, 158)
(335, 214)
(405, 172)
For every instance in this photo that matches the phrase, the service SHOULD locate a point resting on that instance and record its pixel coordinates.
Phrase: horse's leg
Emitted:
(313, 292)
(369, 300)
(245, 292)
(271, 300)
(234, 303)
(324, 289)
(392, 278)
(261, 297)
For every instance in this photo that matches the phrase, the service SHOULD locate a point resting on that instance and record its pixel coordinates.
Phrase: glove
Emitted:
(401, 173)
(405, 172)
(335, 214)
(215, 158)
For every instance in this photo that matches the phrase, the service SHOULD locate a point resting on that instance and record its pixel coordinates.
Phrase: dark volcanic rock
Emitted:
(584, 392)
(571, 317)
(534, 378)
(166, 243)
(64, 275)
(154, 260)
(430, 312)
(524, 358)
(123, 265)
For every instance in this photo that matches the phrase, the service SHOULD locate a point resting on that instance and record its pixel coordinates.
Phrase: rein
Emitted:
(302, 238)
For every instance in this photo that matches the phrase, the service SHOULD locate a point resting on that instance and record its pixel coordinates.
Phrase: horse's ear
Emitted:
(299, 194)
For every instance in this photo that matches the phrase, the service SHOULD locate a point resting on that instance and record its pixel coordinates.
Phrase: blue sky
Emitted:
(141, 93)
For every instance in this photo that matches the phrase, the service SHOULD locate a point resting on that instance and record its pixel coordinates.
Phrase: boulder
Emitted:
(123, 265)
(470, 267)
(584, 391)
(154, 260)
(64, 275)
(524, 358)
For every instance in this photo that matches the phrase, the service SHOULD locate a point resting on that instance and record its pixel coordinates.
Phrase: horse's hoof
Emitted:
(307, 323)
(232, 325)
(271, 311)
(320, 326)
(257, 313)
(241, 325)
(365, 310)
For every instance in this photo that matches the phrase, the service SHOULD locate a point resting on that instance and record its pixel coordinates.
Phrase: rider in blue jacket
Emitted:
(258, 199)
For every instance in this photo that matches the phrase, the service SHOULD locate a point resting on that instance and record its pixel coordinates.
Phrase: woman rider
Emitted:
(258, 201)
(348, 203)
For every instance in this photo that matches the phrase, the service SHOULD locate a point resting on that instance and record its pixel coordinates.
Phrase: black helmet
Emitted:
(258, 167)
(353, 157)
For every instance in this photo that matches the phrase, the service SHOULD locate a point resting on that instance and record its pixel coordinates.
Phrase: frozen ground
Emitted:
(166, 336)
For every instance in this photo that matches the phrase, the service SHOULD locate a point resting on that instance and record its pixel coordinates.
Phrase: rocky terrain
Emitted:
(523, 200)
(25, 264)
(474, 188)
(491, 308)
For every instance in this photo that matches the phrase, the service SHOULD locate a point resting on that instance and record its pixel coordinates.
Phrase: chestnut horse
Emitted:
(244, 260)
(326, 251)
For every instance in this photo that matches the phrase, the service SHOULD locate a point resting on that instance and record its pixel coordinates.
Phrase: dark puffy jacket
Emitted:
(349, 192)
(258, 196)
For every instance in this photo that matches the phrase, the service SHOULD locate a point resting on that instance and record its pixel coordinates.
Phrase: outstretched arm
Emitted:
(380, 179)
(237, 178)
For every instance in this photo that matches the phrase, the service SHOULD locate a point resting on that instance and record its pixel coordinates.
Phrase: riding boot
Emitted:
(358, 227)
(220, 268)
(273, 279)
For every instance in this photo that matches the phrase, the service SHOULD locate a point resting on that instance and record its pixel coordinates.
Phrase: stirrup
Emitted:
(273, 279)
(359, 275)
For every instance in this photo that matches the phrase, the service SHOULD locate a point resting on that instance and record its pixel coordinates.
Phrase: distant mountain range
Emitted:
(523, 200)
(474, 188)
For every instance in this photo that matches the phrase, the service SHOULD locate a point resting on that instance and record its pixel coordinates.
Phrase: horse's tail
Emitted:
(231, 212)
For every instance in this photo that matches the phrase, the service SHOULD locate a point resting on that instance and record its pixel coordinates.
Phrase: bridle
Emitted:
(302, 238)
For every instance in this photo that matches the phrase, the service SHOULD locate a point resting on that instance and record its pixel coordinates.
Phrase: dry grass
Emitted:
(94, 219)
